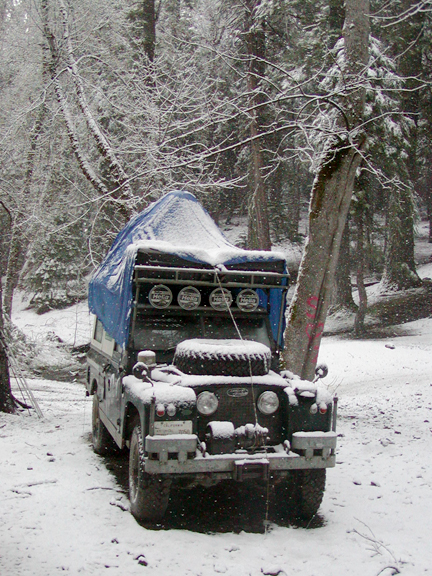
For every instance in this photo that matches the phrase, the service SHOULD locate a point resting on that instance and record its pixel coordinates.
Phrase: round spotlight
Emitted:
(221, 299)
(189, 298)
(160, 296)
(247, 300)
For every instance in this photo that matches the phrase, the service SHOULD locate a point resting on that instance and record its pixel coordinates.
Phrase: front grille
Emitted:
(240, 410)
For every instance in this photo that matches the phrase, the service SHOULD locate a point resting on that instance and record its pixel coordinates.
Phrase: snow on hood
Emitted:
(173, 376)
(176, 224)
(163, 393)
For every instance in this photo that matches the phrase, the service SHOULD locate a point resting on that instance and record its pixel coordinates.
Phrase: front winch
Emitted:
(251, 436)
(223, 438)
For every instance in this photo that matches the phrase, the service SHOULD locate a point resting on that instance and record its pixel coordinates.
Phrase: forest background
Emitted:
(107, 105)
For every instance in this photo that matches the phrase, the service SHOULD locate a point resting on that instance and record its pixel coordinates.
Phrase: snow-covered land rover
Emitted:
(184, 364)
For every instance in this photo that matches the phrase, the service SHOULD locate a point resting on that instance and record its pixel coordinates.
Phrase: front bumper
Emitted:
(179, 455)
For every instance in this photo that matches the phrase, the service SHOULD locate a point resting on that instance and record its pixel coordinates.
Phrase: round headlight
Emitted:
(207, 403)
(268, 403)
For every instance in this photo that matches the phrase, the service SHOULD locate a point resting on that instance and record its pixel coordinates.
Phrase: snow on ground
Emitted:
(65, 509)
(71, 325)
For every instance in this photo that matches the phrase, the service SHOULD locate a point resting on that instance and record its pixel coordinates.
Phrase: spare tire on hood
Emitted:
(222, 357)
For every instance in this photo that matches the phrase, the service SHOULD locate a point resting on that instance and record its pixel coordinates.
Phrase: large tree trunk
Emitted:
(400, 269)
(17, 253)
(359, 326)
(258, 224)
(335, 20)
(343, 297)
(331, 197)
(6, 400)
(149, 28)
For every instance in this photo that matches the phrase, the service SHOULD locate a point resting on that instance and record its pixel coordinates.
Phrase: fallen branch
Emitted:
(395, 570)
(377, 545)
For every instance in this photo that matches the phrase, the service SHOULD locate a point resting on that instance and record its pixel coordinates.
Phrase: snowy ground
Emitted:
(65, 508)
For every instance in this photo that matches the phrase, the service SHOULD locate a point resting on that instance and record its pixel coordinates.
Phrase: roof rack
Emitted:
(202, 277)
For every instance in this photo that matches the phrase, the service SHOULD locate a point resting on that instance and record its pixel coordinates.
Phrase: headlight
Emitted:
(268, 403)
(207, 403)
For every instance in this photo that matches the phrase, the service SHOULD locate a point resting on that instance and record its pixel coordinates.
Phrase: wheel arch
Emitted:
(131, 418)
(93, 387)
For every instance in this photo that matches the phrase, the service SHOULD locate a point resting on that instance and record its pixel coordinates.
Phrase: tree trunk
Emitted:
(258, 224)
(331, 197)
(429, 206)
(400, 269)
(121, 188)
(343, 297)
(149, 29)
(16, 259)
(117, 173)
(19, 241)
(335, 19)
(330, 200)
(361, 262)
(6, 400)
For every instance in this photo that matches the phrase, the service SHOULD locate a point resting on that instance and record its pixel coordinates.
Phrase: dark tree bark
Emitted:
(331, 197)
(6, 399)
(400, 269)
(343, 297)
(258, 224)
(343, 290)
(361, 265)
(336, 20)
(143, 18)
(149, 28)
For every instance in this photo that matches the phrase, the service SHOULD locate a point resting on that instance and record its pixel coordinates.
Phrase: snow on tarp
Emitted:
(176, 224)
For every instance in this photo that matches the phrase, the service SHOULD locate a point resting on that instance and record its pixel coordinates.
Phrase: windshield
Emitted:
(164, 333)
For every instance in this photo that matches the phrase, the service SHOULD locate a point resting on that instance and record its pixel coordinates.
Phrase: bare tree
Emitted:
(331, 197)
(120, 189)
(6, 398)
(258, 224)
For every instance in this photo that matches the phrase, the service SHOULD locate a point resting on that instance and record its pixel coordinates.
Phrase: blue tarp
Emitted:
(175, 224)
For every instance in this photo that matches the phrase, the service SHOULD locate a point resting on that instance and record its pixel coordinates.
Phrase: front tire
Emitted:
(148, 493)
(102, 442)
(308, 492)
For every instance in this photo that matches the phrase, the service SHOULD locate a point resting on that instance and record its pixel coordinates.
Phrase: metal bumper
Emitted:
(179, 455)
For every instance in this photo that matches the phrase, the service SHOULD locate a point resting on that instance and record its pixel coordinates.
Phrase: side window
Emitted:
(98, 331)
